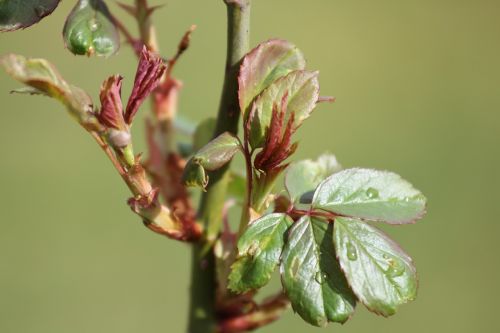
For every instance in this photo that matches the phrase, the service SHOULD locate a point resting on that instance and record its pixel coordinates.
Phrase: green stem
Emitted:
(212, 202)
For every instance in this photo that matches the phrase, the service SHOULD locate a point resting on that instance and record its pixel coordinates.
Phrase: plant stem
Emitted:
(238, 14)
(212, 202)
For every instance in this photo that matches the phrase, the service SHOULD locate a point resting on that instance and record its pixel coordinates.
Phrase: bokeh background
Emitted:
(418, 92)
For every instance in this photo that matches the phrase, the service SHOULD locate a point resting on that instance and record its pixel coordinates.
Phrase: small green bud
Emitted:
(194, 174)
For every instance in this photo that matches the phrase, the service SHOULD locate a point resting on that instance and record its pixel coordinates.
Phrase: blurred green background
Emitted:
(418, 92)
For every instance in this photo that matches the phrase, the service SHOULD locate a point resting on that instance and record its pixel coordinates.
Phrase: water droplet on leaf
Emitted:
(395, 268)
(352, 254)
(319, 277)
(372, 193)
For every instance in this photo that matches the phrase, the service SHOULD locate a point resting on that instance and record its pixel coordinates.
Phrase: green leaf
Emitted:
(304, 176)
(218, 152)
(89, 30)
(44, 78)
(17, 14)
(259, 250)
(370, 194)
(379, 272)
(302, 89)
(311, 275)
(211, 157)
(194, 175)
(263, 65)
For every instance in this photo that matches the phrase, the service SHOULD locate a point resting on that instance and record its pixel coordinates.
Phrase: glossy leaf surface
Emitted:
(263, 65)
(89, 29)
(379, 272)
(372, 195)
(20, 14)
(259, 250)
(302, 90)
(311, 275)
(304, 176)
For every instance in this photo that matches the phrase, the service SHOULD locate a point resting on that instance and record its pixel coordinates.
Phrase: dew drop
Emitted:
(395, 268)
(319, 277)
(371, 193)
(94, 25)
(351, 251)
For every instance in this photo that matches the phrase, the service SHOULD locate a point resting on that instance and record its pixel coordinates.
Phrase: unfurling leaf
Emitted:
(259, 250)
(303, 177)
(278, 144)
(311, 275)
(147, 77)
(111, 114)
(379, 272)
(263, 65)
(90, 30)
(43, 76)
(194, 175)
(302, 91)
(210, 157)
(17, 14)
(217, 152)
(370, 194)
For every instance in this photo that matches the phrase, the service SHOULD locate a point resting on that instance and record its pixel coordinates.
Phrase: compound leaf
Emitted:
(90, 30)
(259, 250)
(379, 272)
(263, 65)
(370, 194)
(311, 275)
(17, 14)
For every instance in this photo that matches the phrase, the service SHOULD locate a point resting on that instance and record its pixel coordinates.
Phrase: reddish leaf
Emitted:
(148, 75)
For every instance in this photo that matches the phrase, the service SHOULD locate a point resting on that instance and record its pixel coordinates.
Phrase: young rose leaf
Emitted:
(218, 152)
(379, 272)
(263, 65)
(194, 175)
(44, 77)
(147, 77)
(259, 250)
(211, 157)
(17, 14)
(311, 275)
(304, 176)
(90, 30)
(302, 89)
(370, 194)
